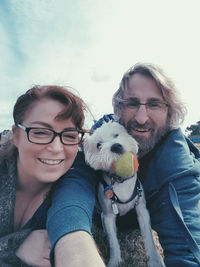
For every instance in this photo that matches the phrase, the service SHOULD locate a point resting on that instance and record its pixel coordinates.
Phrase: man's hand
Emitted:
(35, 249)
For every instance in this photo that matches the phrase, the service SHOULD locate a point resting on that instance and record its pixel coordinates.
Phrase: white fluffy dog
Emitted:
(101, 149)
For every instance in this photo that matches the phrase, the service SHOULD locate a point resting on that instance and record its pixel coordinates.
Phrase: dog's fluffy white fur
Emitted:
(104, 146)
(97, 147)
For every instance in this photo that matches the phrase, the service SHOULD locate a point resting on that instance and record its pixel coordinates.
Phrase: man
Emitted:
(148, 105)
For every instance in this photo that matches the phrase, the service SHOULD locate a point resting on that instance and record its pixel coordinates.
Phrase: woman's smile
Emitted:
(51, 161)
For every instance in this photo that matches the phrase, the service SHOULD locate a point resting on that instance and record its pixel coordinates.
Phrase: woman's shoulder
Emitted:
(6, 145)
(7, 158)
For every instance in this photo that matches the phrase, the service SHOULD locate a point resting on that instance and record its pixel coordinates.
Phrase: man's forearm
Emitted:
(77, 249)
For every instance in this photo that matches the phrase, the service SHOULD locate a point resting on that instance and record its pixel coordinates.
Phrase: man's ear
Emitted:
(15, 131)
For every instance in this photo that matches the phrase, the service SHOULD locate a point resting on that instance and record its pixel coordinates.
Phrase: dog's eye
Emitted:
(116, 135)
(99, 145)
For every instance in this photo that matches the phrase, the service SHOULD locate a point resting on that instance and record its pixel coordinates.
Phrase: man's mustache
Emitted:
(135, 124)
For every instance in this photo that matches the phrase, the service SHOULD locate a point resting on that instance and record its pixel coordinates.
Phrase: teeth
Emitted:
(50, 161)
(142, 130)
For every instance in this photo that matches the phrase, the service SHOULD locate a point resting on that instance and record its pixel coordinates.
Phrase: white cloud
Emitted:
(89, 44)
(5, 107)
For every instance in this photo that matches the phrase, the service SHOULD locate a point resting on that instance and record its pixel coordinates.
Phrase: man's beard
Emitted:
(147, 144)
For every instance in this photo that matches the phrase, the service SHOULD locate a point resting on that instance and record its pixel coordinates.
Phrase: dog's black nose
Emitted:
(117, 148)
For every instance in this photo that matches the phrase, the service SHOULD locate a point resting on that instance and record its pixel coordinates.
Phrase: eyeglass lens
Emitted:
(44, 136)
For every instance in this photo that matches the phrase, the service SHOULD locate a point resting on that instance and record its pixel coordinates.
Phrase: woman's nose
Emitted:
(56, 145)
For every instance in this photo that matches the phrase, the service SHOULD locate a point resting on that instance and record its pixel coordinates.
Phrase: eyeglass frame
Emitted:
(28, 129)
(124, 101)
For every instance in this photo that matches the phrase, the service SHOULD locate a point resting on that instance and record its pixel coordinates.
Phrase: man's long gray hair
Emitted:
(177, 109)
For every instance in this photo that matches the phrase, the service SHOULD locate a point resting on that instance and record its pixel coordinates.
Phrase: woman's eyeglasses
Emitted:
(45, 136)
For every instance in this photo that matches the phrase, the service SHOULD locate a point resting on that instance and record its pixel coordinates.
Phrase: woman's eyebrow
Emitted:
(42, 124)
(46, 125)
(70, 129)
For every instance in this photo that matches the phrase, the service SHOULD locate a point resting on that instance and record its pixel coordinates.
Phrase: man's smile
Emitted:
(140, 131)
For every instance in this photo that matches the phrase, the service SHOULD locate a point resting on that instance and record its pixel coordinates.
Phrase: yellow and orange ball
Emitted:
(126, 165)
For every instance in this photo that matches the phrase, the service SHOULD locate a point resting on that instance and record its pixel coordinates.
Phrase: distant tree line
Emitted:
(194, 132)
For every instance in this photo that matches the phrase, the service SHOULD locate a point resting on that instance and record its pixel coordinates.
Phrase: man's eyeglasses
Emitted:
(152, 106)
(45, 136)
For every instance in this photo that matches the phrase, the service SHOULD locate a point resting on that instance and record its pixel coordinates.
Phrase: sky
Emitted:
(89, 44)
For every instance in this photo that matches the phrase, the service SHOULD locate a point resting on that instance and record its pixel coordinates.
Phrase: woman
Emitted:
(41, 148)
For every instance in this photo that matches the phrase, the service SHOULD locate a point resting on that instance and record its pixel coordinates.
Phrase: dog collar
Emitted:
(109, 193)
(116, 178)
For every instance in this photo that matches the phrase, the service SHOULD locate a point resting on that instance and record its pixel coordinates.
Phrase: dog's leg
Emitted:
(109, 223)
(154, 258)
